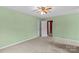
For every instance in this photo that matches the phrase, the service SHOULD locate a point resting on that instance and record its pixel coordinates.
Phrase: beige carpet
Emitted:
(41, 45)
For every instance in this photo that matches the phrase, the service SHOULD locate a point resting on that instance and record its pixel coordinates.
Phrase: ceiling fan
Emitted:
(43, 9)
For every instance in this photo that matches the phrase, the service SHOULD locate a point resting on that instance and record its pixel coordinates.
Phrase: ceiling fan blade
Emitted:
(36, 10)
(49, 8)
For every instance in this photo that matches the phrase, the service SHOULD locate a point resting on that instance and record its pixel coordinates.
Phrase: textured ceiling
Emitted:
(57, 10)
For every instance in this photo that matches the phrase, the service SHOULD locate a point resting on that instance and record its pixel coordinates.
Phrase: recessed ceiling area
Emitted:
(56, 11)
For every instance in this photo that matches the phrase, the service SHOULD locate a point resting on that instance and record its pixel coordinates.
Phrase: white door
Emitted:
(44, 28)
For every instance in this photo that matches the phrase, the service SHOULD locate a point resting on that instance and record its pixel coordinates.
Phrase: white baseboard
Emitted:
(66, 41)
(18, 42)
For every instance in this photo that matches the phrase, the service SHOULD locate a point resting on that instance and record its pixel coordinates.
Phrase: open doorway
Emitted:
(49, 28)
(46, 28)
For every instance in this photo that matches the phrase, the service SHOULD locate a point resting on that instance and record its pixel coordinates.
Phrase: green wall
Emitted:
(15, 26)
(66, 26)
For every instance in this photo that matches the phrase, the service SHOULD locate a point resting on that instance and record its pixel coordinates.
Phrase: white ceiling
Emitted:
(57, 10)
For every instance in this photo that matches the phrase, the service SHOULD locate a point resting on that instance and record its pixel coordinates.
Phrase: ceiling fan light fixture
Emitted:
(42, 13)
(44, 9)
